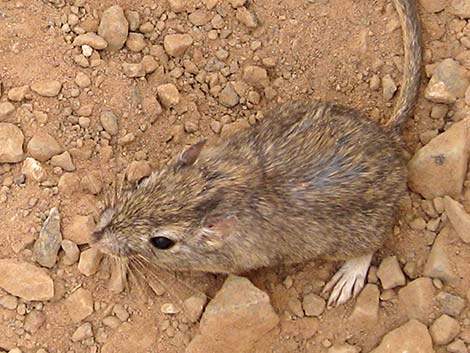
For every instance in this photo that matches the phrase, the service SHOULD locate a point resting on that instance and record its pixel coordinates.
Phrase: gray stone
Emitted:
(11, 143)
(114, 28)
(47, 245)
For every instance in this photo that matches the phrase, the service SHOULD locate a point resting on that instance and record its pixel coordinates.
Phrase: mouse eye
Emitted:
(162, 243)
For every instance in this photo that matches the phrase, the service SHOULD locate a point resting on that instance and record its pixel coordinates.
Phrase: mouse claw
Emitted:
(348, 281)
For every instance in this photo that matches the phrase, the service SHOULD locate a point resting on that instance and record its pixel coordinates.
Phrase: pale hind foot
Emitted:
(348, 281)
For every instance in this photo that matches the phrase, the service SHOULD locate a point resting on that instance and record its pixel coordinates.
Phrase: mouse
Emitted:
(310, 180)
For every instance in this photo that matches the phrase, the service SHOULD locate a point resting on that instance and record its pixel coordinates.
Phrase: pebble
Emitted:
(412, 337)
(169, 309)
(313, 305)
(366, 309)
(133, 70)
(91, 39)
(34, 170)
(138, 170)
(64, 161)
(43, 146)
(79, 229)
(133, 17)
(112, 322)
(117, 280)
(417, 298)
(17, 94)
(47, 245)
(200, 17)
(47, 88)
(87, 50)
(82, 80)
(459, 218)
(433, 6)
(177, 6)
(246, 17)
(149, 64)
(68, 183)
(344, 348)
(11, 143)
(120, 312)
(444, 330)
(71, 250)
(25, 280)
(388, 87)
(451, 305)
(6, 109)
(89, 262)
(114, 28)
(228, 97)
(237, 304)
(177, 44)
(83, 332)
(438, 264)
(109, 122)
(237, 3)
(135, 42)
(295, 307)
(9, 302)
(440, 167)
(390, 273)
(92, 184)
(79, 304)
(458, 346)
(34, 321)
(255, 76)
(448, 82)
(168, 94)
(194, 306)
(460, 8)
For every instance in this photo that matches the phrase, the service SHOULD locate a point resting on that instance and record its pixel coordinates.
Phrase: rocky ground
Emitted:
(91, 93)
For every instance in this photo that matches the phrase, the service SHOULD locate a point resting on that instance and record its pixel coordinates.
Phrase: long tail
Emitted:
(408, 14)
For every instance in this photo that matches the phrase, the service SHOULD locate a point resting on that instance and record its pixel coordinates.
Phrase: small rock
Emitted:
(418, 299)
(25, 280)
(200, 17)
(6, 109)
(79, 304)
(344, 348)
(120, 312)
(255, 76)
(451, 305)
(34, 320)
(433, 6)
(149, 64)
(246, 17)
(232, 128)
(112, 322)
(194, 307)
(177, 44)
(114, 28)
(138, 170)
(237, 3)
(91, 184)
(412, 337)
(17, 94)
(295, 307)
(228, 97)
(64, 161)
(91, 39)
(313, 305)
(9, 302)
(135, 42)
(460, 8)
(43, 146)
(235, 319)
(117, 280)
(448, 82)
(82, 80)
(366, 309)
(11, 143)
(388, 87)
(440, 167)
(177, 6)
(459, 218)
(90, 260)
(33, 170)
(458, 346)
(79, 229)
(133, 70)
(68, 183)
(109, 122)
(170, 309)
(72, 252)
(47, 88)
(390, 273)
(438, 264)
(82, 332)
(133, 17)
(168, 94)
(444, 330)
(47, 245)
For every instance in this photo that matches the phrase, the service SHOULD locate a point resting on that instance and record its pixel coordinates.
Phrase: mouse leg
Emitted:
(348, 281)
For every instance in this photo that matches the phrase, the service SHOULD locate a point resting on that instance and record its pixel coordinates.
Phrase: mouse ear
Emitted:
(218, 227)
(191, 154)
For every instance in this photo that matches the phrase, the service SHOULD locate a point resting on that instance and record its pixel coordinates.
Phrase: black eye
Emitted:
(162, 243)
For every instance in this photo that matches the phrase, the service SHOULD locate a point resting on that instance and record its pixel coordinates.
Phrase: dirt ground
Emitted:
(328, 49)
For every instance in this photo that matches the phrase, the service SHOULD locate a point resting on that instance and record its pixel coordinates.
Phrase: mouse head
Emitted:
(175, 218)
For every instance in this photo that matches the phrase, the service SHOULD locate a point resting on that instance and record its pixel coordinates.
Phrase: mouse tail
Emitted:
(411, 29)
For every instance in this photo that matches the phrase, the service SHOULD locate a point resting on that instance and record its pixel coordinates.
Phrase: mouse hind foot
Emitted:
(348, 281)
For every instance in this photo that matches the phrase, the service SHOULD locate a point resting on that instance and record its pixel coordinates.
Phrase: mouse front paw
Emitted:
(348, 281)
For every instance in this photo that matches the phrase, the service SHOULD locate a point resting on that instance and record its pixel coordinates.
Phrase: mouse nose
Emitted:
(96, 236)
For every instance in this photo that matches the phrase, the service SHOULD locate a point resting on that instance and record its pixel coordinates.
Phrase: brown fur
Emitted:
(311, 180)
